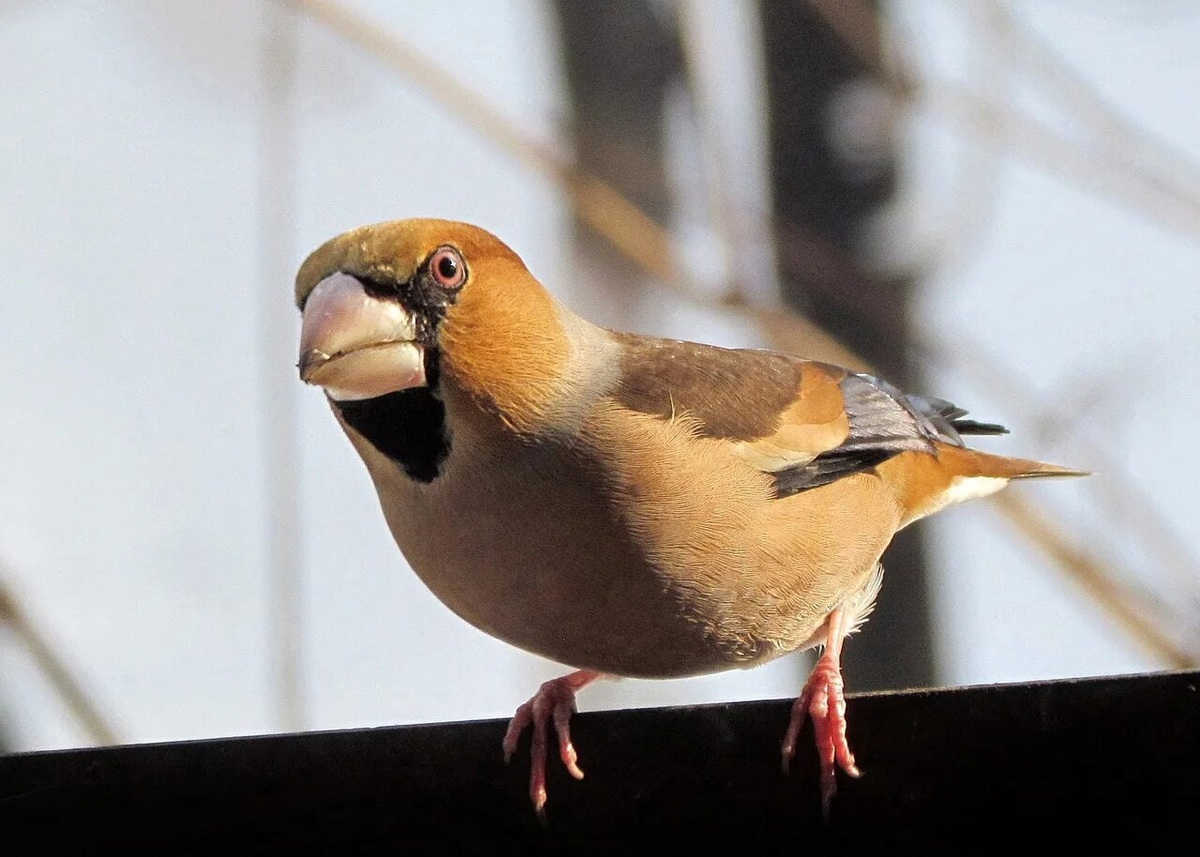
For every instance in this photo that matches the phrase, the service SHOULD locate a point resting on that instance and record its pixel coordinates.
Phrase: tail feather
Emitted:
(972, 462)
(958, 474)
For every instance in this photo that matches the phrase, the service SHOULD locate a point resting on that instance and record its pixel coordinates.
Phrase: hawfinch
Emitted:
(626, 505)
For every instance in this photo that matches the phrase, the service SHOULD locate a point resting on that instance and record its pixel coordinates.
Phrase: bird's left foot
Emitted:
(554, 701)
(823, 699)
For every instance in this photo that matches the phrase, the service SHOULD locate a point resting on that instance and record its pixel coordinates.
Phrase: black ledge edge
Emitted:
(1070, 761)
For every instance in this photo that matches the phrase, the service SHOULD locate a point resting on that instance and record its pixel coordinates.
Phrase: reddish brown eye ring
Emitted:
(447, 268)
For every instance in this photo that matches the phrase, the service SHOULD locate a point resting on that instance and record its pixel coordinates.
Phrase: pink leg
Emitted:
(555, 700)
(824, 701)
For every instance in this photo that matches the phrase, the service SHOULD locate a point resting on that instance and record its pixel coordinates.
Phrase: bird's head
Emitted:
(411, 304)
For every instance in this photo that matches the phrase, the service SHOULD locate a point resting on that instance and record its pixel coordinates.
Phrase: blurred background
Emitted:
(993, 202)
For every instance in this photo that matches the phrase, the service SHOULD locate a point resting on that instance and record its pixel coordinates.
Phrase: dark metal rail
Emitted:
(1069, 761)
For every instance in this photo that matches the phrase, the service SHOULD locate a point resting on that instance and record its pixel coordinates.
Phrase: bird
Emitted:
(625, 505)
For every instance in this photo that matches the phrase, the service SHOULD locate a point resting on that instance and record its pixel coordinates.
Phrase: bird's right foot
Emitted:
(554, 701)
(824, 700)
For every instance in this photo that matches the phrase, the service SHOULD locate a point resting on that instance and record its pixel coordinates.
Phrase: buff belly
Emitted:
(582, 595)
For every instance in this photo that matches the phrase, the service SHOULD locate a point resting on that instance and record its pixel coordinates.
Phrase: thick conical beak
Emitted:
(357, 346)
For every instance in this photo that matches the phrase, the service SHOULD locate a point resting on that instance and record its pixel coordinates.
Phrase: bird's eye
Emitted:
(447, 268)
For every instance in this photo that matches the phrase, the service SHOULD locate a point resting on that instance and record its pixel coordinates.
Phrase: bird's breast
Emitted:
(526, 547)
(567, 550)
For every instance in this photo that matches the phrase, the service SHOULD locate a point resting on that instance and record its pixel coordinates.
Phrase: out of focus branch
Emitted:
(1118, 171)
(612, 216)
(1126, 606)
(1086, 104)
(648, 244)
(54, 668)
(1161, 543)
(1102, 170)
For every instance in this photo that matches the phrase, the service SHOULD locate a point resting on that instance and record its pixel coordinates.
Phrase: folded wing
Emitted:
(806, 423)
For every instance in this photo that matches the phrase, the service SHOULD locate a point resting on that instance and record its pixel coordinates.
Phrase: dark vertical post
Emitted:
(620, 58)
(825, 191)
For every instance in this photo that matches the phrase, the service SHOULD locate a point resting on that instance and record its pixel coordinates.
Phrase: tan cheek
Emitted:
(507, 350)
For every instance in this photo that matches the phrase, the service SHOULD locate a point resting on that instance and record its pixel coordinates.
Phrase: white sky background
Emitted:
(132, 499)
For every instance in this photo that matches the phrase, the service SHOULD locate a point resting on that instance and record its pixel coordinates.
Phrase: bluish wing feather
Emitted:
(884, 421)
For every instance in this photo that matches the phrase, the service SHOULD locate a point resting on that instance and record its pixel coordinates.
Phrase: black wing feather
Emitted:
(825, 468)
